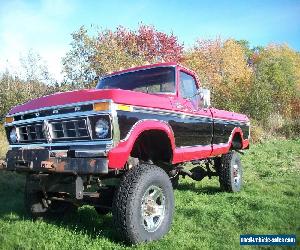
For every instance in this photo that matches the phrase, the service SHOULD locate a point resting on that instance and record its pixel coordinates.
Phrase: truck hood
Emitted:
(117, 95)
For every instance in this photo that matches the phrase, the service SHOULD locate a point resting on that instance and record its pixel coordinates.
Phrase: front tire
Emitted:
(143, 204)
(230, 172)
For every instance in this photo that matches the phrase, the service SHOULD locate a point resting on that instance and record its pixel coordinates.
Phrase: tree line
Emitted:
(262, 82)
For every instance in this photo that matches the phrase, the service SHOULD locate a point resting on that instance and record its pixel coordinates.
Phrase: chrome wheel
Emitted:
(143, 204)
(236, 174)
(153, 208)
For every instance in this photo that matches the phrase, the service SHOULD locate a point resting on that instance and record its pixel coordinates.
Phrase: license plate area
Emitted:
(26, 158)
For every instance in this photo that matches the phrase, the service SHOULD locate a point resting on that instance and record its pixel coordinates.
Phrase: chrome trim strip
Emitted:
(221, 144)
(89, 128)
(216, 144)
(194, 146)
(61, 153)
(58, 117)
(115, 124)
(179, 113)
(60, 106)
(90, 153)
(166, 112)
(108, 144)
(231, 121)
(143, 120)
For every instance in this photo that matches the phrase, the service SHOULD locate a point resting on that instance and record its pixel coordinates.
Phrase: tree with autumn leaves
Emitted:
(93, 56)
(262, 82)
(222, 67)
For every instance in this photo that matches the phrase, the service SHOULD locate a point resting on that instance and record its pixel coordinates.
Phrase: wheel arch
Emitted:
(237, 140)
(119, 155)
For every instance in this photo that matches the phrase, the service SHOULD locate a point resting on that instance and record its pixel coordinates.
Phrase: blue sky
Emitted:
(45, 25)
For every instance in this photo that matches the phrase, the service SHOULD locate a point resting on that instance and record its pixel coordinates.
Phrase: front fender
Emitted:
(118, 156)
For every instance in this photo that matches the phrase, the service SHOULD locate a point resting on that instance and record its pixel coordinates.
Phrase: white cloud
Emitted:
(33, 25)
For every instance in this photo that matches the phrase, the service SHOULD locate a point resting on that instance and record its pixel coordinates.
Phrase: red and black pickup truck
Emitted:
(128, 139)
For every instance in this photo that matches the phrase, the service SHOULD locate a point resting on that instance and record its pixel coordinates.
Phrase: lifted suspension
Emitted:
(199, 172)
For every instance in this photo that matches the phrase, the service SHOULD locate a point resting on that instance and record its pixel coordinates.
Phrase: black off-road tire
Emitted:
(230, 172)
(129, 197)
(35, 203)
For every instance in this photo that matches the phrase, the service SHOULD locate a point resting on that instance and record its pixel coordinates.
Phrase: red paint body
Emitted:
(119, 155)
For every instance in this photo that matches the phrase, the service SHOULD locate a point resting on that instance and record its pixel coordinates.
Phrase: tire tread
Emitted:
(124, 195)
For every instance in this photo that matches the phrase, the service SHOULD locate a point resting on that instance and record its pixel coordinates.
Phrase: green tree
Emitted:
(34, 68)
(77, 62)
(274, 89)
(32, 80)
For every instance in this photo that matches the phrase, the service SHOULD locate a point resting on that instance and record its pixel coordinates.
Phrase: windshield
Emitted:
(153, 80)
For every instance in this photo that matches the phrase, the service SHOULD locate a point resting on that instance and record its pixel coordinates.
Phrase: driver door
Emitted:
(197, 124)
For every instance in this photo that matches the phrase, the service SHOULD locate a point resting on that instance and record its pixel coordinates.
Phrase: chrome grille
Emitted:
(59, 130)
(32, 132)
(69, 129)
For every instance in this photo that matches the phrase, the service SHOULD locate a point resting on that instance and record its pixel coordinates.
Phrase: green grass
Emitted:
(205, 218)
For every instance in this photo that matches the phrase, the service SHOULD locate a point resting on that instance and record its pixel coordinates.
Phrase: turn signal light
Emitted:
(124, 107)
(9, 119)
(101, 106)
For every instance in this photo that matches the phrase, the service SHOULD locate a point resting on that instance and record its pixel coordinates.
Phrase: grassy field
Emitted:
(205, 218)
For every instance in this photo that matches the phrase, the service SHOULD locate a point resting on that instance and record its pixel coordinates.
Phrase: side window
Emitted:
(188, 88)
(187, 85)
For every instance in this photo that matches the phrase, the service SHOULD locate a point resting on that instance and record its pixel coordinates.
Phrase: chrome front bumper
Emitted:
(58, 161)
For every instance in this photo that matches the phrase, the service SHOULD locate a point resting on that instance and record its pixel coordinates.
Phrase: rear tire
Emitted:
(143, 204)
(230, 172)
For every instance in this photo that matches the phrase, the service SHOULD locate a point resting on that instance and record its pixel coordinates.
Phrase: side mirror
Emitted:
(204, 97)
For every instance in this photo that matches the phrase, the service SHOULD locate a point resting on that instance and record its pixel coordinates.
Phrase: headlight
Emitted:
(101, 128)
(13, 135)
